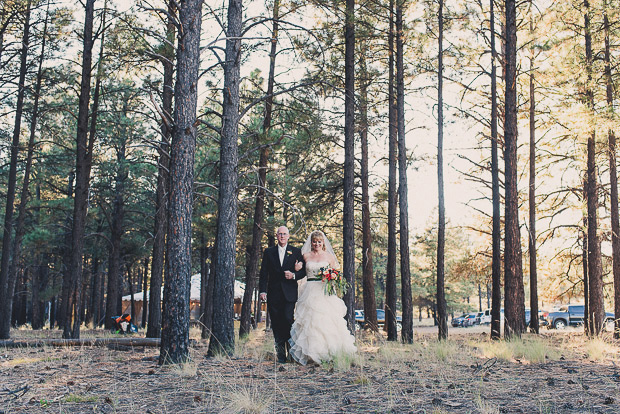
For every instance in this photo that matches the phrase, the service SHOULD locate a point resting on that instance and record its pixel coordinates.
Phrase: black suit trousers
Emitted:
(281, 312)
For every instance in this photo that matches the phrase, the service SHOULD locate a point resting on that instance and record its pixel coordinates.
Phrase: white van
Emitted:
(486, 316)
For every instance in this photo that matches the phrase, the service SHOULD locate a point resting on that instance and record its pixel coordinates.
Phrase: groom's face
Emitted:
(282, 235)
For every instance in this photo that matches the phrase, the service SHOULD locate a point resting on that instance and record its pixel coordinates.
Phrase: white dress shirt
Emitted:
(281, 253)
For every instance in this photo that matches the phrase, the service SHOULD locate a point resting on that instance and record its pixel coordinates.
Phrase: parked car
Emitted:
(571, 315)
(485, 319)
(541, 318)
(470, 320)
(359, 319)
(478, 320)
(458, 321)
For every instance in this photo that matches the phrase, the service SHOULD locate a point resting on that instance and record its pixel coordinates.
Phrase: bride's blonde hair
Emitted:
(317, 235)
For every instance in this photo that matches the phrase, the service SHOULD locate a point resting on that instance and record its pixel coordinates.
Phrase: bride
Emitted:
(319, 332)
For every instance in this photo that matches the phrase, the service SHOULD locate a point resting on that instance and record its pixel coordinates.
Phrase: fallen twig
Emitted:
(23, 390)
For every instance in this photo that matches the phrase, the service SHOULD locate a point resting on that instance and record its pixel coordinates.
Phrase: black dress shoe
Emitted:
(281, 353)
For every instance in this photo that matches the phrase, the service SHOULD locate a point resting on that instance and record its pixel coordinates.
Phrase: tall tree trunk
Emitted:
(496, 281)
(132, 290)
(441, 230)
(7, 286)
(596, 310)
(259, 209)
(145, 299)
(204, 277)
(163, 182)
(613, 178)
(348, 226)
(223, 332)
(405, 270)
(40, 282)
(175, 315)
(207, 313)
(82, 178)
(368, 284)
(514, 296)
(96, 297)
(25, 192)
(115, 264)
(390, 277)
(41, 275)
(584, 260)
(20, 298)
(532, 203)
(66, 258)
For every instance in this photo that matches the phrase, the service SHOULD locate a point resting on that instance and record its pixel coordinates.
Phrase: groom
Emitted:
(278, 286)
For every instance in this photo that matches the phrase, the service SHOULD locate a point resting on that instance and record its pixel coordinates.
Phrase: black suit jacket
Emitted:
(272, 280)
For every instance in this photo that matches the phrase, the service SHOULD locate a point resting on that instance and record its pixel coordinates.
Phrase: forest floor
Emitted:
(556, 372)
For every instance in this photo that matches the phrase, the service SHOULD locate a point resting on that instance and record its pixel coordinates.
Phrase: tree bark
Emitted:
(405, 270)
(596, 310)
(496, 295)
(94, 316)
(207, 313)
(175, 315)
(145, 299)
(259, 209)
(584, 260)
(20, 298)
(532, 203)
(66, 258)
(368, 284)
(390, 277)
(348, 214)
(116, 234)
(442, 310)
(25, 191)
(613, 178)
(204, 278)
(163, 183)
(223, 335)
(130, 284)
(514, 296)
(7, 284)
(40, 281)
(115, 260)
(83, 165)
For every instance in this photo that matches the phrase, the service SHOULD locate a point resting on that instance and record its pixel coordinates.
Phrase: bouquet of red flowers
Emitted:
(335, 283)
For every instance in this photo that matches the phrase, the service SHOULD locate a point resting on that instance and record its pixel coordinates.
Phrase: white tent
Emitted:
(194, 298)
(194, 292)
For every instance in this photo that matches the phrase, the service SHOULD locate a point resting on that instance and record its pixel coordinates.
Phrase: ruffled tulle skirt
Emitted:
(320, 331)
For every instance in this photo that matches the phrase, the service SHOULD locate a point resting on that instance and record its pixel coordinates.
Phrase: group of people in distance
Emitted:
(308, 325)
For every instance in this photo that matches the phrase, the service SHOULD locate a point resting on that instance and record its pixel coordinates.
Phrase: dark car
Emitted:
(458, 321)
(571, 315)
(359, 318)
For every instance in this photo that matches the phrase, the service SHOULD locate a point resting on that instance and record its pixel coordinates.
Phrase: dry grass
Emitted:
(557, 373)
(596, 349)
(529, 348)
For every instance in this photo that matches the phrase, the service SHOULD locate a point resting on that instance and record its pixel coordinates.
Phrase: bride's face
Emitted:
(317, 245)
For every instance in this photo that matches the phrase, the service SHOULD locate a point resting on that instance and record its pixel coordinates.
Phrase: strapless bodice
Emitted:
(312, 269)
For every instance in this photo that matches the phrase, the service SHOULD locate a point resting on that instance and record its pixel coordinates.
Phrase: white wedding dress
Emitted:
(320, 331)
